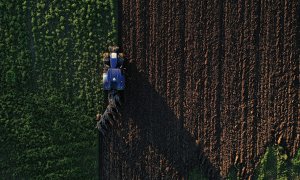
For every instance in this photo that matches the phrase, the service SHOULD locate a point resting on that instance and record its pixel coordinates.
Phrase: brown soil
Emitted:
(210, 82)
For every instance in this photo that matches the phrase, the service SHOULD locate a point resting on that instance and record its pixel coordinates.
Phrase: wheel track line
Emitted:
(235, 86)
(234, 97)
(224, 150)
(142, 40)
(239, 85)
(281, 88)
(207, 85)
(227, 142)
(191, 67)
(244, 88)
(297, 141)
(178, 61)
(152, 63)
(199, 70)
(203, 77)
(292, 77)
(257, 78)
(212, 64)
(162, 67)
(254, 67)
(181, 9)
(263, 78)
(220, 70)
(170, 64)
(279, 57)
(169, 58)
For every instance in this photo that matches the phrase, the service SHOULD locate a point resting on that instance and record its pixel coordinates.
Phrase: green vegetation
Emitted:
(295, 164)
(274, 164)
(50, 86)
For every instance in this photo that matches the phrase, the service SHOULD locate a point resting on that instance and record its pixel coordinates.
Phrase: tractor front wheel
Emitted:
(105, 55)
(106, 58)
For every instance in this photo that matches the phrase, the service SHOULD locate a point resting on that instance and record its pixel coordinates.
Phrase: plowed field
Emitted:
(210, 83)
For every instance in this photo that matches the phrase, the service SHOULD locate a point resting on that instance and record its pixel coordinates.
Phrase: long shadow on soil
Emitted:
(153, 123)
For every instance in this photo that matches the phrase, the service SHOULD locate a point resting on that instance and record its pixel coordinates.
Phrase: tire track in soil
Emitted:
(210, 83)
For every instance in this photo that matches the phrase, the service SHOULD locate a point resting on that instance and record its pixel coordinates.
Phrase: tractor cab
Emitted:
(114, 78)
(113, 60)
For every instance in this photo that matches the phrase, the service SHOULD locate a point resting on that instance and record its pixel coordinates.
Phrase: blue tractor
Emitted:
(113, 75)
(114, 85)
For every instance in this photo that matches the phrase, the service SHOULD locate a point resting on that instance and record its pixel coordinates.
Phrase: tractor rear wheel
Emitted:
(121, 55)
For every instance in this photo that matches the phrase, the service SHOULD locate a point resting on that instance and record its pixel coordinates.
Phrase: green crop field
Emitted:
(50, 86)
(274, 164)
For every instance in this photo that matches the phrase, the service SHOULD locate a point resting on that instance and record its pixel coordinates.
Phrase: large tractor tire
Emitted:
(105, 57)
(121, 55)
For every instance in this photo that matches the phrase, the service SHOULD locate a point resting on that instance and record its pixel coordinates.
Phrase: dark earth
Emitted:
(210, 84)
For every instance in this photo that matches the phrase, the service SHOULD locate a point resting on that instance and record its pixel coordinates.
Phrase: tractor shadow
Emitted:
(149, 124)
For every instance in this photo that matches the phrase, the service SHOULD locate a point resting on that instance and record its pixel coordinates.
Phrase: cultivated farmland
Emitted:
(211, 83)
